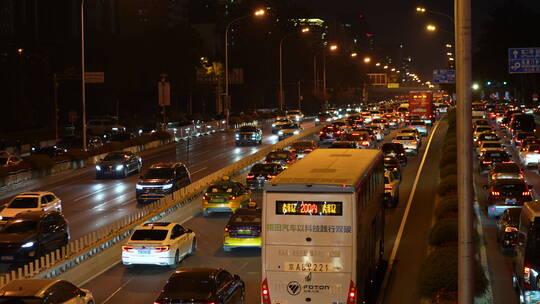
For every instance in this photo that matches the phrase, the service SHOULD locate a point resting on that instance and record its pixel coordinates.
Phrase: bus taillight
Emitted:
(265, 293)
(351, 298)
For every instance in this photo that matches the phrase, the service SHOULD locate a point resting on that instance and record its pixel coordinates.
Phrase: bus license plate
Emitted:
(307, 267)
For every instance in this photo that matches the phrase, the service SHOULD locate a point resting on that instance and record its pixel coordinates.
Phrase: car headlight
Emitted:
(119, 167)
(27, 244)
(280, 132)
(296, 132)
(139, 187)
(237, 136)
(273, 125)
(167, 186)
(316, 119)
(253, 135)
(98, 168)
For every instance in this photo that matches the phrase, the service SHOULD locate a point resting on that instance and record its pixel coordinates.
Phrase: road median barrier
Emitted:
(84, 252)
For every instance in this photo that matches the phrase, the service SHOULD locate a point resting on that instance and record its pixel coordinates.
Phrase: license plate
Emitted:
(7, 258)
(143, 251)
(261, 178)
(510, 200)
(243, 232)
(307, 267)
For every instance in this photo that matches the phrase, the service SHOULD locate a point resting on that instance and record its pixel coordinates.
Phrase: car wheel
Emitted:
(193, 247)
(176, 260)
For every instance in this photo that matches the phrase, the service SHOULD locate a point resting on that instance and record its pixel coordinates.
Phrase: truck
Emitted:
(421, 104)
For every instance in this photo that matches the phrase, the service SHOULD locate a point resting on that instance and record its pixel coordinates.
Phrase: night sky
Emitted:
(396, 21)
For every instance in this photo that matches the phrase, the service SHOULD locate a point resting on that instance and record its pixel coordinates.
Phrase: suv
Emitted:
(505, 171)
(295, 115)
(118, 164)
(44, 291)
(30, 201)
(248, 135)
(32, 234)
(160, 180)
(261, 173)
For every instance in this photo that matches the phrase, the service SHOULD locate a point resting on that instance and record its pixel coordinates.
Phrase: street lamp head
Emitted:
(393, 70)
(20, 51)
(305, 29)
(378, 64)
(431, 27)
(475, 86)
(333, 47)
(260, 12)
(451, 59)
(420, 9)
(448, 54)
(385, 67)
(448, 45)
(367, 59)
(354, 54)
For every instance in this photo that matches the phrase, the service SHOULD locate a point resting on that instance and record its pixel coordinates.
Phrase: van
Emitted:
(526, 264)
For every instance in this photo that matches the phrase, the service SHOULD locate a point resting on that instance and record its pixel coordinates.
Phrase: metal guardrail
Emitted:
(89, 246)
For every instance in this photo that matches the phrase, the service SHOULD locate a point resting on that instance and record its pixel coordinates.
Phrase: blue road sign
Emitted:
(444, 76)
(523, 60)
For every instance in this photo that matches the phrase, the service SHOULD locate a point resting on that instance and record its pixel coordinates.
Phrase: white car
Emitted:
(289, 130)
(409, 141)
(479, 130)
(44, 291)
(30, 201)
(159, 243)
(391, 189)
(295, 115)
(530, 156)
(279, 122)
(412, 131)
(419, 125)
(489, 145)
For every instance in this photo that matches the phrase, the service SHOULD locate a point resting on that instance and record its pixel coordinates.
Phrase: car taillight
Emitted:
(365, 143)
(495, 193)
(232, 197)
(526, 193)
(321, 132)
(308, 150)
(270, 176)
(265, 293)
(161, 248)
(227, 229)
(250, 176)
(127, 248)
(352, 295)
(205, 197)
(510, 229)
(388, 187)
(521, 175)
(485, 162)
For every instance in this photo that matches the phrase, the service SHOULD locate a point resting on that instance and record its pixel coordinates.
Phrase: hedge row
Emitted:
(439, 272)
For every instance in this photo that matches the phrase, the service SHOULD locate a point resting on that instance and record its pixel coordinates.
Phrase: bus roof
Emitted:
(531, 210)
(326, 170)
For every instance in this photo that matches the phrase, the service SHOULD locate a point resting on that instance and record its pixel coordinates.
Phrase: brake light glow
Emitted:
(127, 248)
(495, 193)
(352, 295)
(521, 175)
(510, 229)
(265, 293)
(226, 229)
(205, 197)
(486, 162)
(270, 176)
(365, 143)
(526, 193)
(526, 274)
(161, 248)
(250, 176)
(388, 187)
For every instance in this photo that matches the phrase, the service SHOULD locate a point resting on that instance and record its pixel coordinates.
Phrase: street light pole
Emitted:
(83, 80)
(464, 147)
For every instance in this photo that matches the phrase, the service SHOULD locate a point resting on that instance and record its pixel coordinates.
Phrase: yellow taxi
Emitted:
(225, 196)
(243, 229)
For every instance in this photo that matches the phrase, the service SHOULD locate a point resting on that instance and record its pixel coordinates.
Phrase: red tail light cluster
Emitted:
(495, 193)
(526, 193)
(510, 229)
(352, 295)
(250, 176)
(265, 293)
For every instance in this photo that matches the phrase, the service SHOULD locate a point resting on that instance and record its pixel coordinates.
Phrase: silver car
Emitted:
(409, 142)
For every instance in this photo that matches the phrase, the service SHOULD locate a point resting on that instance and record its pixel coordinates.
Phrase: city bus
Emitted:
(323, 229)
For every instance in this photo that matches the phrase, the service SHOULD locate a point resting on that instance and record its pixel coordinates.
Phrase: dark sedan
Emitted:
(282, 157)
(507, 228)
(202, 285)
(118, 164)
(392, 164)
(490, 158)
(262, 173)
(32, 234)
(395, 150)
(505, 194)
(248, 135)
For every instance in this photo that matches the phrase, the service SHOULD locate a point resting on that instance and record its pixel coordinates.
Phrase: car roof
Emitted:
(164, 165)
(26, 288)
(509, 167)
(34, 193)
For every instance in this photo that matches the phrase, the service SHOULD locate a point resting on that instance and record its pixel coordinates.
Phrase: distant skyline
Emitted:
(395, 21)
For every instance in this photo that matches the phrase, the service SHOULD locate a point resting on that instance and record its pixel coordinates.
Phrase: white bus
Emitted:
(323, 229)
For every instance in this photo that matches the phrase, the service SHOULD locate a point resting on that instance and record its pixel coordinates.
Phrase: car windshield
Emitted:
(491, 145)
(193, 285)
(114, 156)
(483, 129)
(263, 168)
(159, 173)
(20, 300)
(303, 145)
(507, 168)
(405, 137)
(277, 155)
(510, 187)
(246, 217)
(19, 226)
(23, 203)
(248, 129)
(290, 126)
(149, 235)
(220, 189)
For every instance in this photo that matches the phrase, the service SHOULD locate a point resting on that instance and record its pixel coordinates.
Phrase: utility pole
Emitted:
(83, 80)
(299, 95)
(462, 11)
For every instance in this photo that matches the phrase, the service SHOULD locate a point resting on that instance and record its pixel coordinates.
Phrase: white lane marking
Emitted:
(118, 290)
(95, 192)
(409, 203)
(201, 169)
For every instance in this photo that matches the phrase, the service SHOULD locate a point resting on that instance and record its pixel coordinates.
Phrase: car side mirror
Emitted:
(485, 187)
